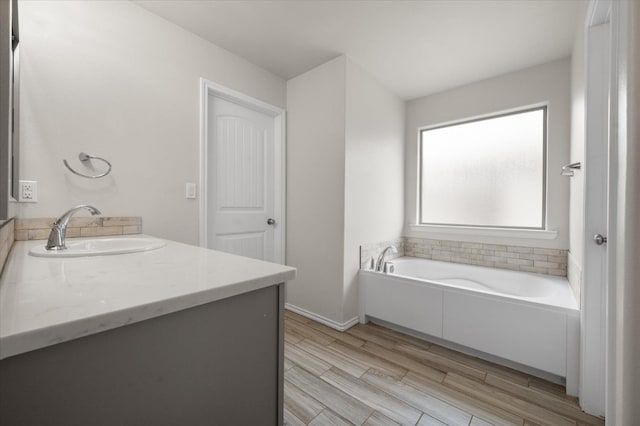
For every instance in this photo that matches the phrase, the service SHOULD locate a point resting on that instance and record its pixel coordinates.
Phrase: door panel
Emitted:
(247, 244)
(241, 180)
(241, 164)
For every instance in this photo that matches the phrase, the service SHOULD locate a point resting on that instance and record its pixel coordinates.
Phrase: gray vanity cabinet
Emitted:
(216, 364)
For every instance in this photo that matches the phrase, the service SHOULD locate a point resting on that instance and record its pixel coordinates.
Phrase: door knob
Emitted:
(271, 221)
(599, 239)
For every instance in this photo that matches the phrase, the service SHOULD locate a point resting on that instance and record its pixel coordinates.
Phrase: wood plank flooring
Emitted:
(374, 376)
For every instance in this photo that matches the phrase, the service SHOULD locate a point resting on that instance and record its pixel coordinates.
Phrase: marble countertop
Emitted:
(45, 301)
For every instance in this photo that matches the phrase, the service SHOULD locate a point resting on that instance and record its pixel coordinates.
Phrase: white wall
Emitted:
(114, 80)
(374, 177)
(345, 155)
(315, 188)
(547, 83)
(576, 193)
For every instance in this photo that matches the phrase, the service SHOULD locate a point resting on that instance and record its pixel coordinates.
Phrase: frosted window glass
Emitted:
(485, 173)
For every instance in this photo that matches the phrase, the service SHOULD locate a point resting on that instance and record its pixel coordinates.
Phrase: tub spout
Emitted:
(380, 262)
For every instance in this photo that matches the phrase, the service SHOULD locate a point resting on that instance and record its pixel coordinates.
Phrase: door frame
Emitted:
(618, 395)
(208, 88)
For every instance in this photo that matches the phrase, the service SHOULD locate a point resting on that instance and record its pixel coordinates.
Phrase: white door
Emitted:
(595, 277)
(241, 197)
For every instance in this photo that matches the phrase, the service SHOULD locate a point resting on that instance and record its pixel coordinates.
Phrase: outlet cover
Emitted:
(28, 191)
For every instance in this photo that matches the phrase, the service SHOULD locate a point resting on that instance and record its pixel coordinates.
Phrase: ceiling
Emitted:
(414, 48)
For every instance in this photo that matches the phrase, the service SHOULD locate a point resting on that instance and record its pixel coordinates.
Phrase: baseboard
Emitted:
(322, 320)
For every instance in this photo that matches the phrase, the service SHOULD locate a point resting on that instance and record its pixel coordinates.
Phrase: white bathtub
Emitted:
(529, 319)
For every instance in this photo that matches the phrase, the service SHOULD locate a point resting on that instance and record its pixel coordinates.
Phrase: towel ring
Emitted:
(84, 157)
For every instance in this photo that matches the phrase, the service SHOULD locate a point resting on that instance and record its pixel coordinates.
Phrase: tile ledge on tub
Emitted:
(534, 234)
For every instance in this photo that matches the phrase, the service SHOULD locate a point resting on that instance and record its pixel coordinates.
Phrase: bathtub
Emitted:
(530, 320)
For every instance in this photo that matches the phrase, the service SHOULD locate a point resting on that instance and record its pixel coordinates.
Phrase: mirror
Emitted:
(9, 108)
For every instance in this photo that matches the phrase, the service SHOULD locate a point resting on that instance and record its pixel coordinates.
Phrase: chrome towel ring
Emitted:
(84, 157)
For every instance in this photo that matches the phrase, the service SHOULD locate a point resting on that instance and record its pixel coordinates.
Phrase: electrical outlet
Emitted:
(28, 191)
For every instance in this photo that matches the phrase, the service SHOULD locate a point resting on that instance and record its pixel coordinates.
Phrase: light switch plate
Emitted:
(190, 190)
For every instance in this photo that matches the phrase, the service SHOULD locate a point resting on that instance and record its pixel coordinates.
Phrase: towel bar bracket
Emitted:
(570, 169)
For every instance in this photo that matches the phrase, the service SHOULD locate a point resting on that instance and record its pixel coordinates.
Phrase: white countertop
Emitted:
(44, 301)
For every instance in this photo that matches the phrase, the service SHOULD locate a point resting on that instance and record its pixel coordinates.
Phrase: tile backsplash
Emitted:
(6, 240)
(38, 229)
(503, 256)
(518, 258)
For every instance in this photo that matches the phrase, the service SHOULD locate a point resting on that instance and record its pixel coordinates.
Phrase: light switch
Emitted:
(191, 190)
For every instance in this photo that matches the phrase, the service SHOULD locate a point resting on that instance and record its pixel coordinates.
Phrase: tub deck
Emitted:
(539, 289)
(374, 375)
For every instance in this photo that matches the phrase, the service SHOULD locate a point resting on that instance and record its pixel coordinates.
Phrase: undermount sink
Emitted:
(100, 247)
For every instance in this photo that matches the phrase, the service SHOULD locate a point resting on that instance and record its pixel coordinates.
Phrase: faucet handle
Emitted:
(57, 236)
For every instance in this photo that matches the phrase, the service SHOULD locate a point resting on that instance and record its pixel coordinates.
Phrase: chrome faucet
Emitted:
(380, 261)
(59, 228)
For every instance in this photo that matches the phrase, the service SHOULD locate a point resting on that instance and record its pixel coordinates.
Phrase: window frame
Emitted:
(545, 120)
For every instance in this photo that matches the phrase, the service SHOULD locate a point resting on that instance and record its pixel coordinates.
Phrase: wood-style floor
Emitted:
(371, 375)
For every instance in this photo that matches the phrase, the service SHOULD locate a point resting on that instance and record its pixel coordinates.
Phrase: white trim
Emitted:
(279, 115)
(486, 116)
(323, 320)
(543, 234)
(598, 13)
(619, 22)
(533, 234)
(202, 205)
(280, 204)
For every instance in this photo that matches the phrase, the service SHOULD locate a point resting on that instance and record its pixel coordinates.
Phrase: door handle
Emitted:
(599, 239)
(271, 221)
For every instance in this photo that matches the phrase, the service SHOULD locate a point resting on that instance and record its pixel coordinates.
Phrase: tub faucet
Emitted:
(59, 229)
(380, 262)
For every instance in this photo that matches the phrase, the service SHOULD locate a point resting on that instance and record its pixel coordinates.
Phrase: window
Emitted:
(488, 172)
